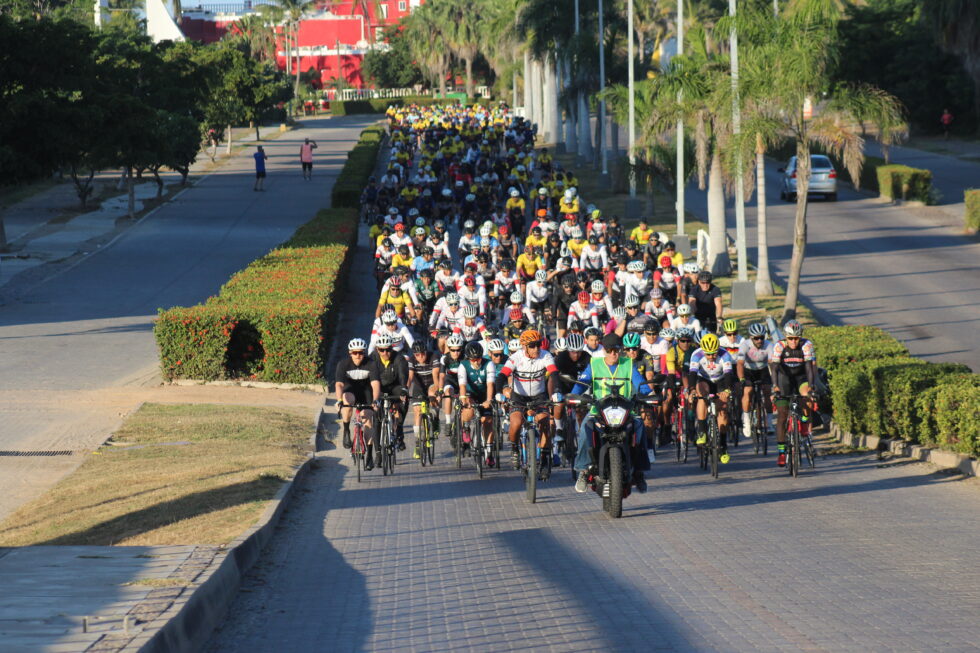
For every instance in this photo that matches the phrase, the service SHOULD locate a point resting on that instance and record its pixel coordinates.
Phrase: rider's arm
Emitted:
(584, 381)
(375, 389)
(740, 365)
(461, 380)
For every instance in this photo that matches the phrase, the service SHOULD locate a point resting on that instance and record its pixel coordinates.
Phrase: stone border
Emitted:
(944, 459)
(192, 618)
(263, 385)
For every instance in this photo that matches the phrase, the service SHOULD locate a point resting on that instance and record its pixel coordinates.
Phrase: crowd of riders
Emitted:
(498, 281)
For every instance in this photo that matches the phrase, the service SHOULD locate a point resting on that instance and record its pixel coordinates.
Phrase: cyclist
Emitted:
(593, 256)
(635, 322)
(593, 341)
(684, 320)
(793, 367)
(603, 371)
(641, 233)
(561, 302)
(706, 299)
(393, 329)
(538, 296)
(427, 290)
(649, 368)
(401, 302)
(475, 377)
(354, 383)
(533, 371)
(753, 368)
(473, 326)
(449, 375)
(391, 371)
(423, 380)
(711, 372)
(582, 309)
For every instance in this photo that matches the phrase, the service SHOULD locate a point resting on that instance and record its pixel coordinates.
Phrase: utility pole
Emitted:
(632, 104)
(679, 181)
(602, 103)
(743, 273)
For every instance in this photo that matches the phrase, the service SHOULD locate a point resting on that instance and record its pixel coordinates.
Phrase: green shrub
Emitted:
(900, 182)
(851, 387)
(892, 409)
(951, 414)
(971, 214)
(839, 345)
(194, 341)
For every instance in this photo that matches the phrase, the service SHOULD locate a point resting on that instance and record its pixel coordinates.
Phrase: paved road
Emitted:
(854, 556)
(906, 270)
(90, 328)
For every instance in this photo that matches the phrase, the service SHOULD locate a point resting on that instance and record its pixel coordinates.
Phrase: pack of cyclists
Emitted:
(499, 284)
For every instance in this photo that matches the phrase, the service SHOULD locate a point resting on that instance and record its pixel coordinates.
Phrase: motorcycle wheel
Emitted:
(615, 509)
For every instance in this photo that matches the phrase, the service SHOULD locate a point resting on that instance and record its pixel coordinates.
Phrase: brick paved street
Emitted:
(858, 555)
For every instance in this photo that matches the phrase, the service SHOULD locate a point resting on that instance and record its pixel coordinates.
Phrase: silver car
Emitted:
(823, 179)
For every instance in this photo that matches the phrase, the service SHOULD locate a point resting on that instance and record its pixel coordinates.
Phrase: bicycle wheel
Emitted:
(458, 437)
(794, 448)
(530, 444)
(714, 445)
(383, 440)
(677, 427)
(430, 449)
(811, 453)
(421, 440)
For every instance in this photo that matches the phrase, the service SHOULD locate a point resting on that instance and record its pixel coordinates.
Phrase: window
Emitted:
(401, 5)
(384, 11)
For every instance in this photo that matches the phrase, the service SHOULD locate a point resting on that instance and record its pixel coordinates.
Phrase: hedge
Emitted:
(270, 320)
(900, 182)
(950, 413)
(971, 214)
(380, 105)
(359, 166)
(839, 345)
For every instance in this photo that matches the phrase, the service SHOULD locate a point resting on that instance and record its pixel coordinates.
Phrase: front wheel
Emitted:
(615, 505)
(531, 459)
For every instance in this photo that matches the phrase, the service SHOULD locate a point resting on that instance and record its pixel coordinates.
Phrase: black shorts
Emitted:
(789, 383)
(714, 387)
(420, 390)
(260, 174)
(307, 166)
(761, 376)
(362, 395)
(539, 306)
(520, 403)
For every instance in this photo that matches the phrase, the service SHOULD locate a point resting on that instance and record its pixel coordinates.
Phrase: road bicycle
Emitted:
(680, 425)
(533, 466)
(710, 452)
(358, 449)
(798, 441)
(760, 422)
(426, 433)
(387, 441)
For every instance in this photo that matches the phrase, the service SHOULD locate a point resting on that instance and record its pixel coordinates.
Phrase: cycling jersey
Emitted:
(449, 319)
(793, 360)
(677, 359)
(731, 345)
(399, 303)
(424, 372)
(754, 358)
(692, 324)
(450, 368)
(586, 313)
(537, 292)
(475, 378)
(529, 374)
(504, 284)
(400, 336)
(471, 331)
(593, 258)
(702, 367)
(571, 368)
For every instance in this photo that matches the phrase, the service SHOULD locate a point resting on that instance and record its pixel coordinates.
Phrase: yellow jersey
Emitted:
(641, 236)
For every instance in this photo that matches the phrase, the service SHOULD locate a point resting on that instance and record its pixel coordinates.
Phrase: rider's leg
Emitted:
(367, 415)
(584, 457)
(516, 418)
(701, 410)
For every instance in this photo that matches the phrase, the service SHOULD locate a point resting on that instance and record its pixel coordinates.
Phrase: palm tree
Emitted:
(461, 30)
(256, 35)
(424, 32)
(958, 24)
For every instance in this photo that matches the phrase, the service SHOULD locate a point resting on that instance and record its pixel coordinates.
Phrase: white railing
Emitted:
(370, 93)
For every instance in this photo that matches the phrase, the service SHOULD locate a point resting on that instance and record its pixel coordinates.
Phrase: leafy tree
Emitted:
(395, 67)
(958, 24)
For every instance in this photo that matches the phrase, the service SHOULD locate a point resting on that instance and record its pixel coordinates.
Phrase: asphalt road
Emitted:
(89, 328)
(907, 270)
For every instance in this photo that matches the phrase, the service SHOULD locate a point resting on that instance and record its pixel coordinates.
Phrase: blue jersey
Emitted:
(711, 370)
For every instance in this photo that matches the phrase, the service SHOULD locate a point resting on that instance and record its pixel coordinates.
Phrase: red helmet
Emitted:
(503, 229)
(470, 281)
(516, 314)
(583, 298)
(665, 261)
(399, 226)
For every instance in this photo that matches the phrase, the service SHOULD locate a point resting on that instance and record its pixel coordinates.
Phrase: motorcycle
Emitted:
(613, 476)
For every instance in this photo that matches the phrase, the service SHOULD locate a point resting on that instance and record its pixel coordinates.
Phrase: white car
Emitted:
(823, 179)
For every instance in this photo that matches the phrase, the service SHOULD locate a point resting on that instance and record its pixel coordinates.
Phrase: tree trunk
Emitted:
(555, 103)
(258, 136)
(537, 95)
(600, 141)
(584, 138)
(571, 123)
(799, 230)
(442, 82)
(718, 263)
(641, 47)
(156, 177)
(131, 191)
(228, 142)
(528, 96)
(469, 76)
(763, 284)
(82, 188)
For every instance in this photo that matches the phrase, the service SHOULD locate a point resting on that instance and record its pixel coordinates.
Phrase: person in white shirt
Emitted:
(389, 325)
(684, 319)
(593, 342)
(659, 308)
(593, 256)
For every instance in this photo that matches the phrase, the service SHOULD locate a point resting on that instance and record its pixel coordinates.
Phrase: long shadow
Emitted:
(624, 616)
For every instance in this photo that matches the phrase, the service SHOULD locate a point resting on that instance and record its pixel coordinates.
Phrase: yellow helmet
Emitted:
(709, 343)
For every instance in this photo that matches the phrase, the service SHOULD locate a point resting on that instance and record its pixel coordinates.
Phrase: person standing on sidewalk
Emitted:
(260, 157)
(947, 121)
(306, 158)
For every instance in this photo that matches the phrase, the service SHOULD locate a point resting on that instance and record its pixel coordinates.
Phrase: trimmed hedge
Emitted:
(270, 320)
(900, 182)
(971, 214)
(950, 413)
(359, 166)
(380, 105)
(839, 345)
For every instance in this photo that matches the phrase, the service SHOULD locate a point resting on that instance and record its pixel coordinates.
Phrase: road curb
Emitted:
(189, 622)
(945, 459)
(263, 385)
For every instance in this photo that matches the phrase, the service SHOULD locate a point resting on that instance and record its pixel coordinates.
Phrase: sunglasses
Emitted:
(497, 354)
(792, 337)
(631, 349)
(456, 351)
(383, 350)
(685, 342)
(533, 345)
(758, 337)
(357, 353)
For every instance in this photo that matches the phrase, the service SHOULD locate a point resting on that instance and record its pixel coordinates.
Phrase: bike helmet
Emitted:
(583, 298)
(540, 276)
(709, 343)
(485, 232)
(597, 286)
(631, 301)
(574, 342)
(469, 311)
(514, 344)
(516, 315)
(593, 331)
(419, 231)
(684, 309)
(469, 224)
(569, 195)
(634, 266)
(704, 277)
(619, 313)
(631, 340)
(593, 240)
(495, 345)
(474, 350)
(577, 233)
(656, 293)
(357, 344)
(470, 197)
(667, 334)
(530, 336)
(419, 347)
(384, 342)
(516, 297)
(452, 299)
(542, 191)
(665, 261)
(469, 281)
(389, 317)
(455, 341)
(793, 329)
(730, 326)
(507, 265)
(514, 192)
(684, 333)
(757, 329)
(691, 268)
(447, 192)
(403, 250)
(386, 243)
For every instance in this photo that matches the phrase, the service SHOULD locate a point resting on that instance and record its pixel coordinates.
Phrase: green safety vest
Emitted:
(602, 376)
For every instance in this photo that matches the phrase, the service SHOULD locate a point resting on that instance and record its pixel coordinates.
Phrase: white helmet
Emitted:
(446, 192)
(469, 224)
(541, 276)
(691, 268)
(667, 334)
(389, 317)
(634, 266)
(516, 297)
(452, 299)
(597, 286)
(684, 309)
(542, 191)
(514, 192)
(495, 345)
(631, 300)
(357, 344)
(469, 311)
(573, 191)
(486, 230)
(577, 232)
(559, 345)
(575, 342)
(470, 197)
(455, 341)
(569, 194)
(384, 342)
(514, 345)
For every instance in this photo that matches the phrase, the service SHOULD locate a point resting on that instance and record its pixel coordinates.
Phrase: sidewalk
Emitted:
(48, 227)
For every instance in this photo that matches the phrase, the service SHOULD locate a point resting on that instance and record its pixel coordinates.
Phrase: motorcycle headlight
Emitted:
(615, 416)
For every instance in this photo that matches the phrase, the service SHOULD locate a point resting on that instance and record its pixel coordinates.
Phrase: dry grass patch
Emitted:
(172, 474)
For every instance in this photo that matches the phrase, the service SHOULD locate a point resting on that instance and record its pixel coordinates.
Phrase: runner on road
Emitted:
(306, 158)
(260, 157)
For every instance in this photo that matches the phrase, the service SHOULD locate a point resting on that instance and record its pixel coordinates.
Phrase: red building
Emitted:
(332, 37)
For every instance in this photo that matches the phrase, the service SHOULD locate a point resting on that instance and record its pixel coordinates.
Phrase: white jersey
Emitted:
(598, 351)
(446, 280)
(640, 285)
(662, 312)
(450, 319)
(755, 358)
(406, 240)
(475, 297)
(536, 292)
(593, 258)
(440, 249)
(657, 348)
(677, 323)
(529, 374)
(585, 313)
(471, 331)
(504, 284)
(400, 336)
(731, 345)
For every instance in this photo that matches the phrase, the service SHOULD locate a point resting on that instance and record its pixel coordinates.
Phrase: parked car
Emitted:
(823, 179)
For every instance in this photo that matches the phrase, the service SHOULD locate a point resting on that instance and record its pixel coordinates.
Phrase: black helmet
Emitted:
(704, 277)
(403, 249)
(426, 272)
(419, 347)
(473, 350)
(593, 240)
(427, 251)
(386, 242)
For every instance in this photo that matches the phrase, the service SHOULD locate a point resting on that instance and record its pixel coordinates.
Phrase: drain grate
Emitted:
(35, 453)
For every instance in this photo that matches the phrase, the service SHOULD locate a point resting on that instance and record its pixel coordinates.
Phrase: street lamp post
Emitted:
(604, 154)
(679, 176)
(632, 104)
(743, 273)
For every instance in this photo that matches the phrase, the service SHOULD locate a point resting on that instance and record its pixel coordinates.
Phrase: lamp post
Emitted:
(680, 129)
(604, 154)
(743, 273)
(632, 104)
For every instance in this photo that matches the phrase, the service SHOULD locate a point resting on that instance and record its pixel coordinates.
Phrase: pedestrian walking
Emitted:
(260, 157)
(947, 121)
(306, 158)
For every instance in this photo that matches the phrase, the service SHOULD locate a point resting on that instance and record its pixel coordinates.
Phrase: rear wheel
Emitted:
(531, 460)
(714, 446)
(615, 507)
(793, 440)
(423, 439)
(430, 448)
(458, 437)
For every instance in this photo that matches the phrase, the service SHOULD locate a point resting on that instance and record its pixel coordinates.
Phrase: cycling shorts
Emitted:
(714, 387)
(362, 395)
(420, 390)
(539, 306)
(520, 403)
(758, 376)
(796, 383)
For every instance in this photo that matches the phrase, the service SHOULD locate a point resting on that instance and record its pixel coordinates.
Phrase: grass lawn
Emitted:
(664, 218)
(172, 474)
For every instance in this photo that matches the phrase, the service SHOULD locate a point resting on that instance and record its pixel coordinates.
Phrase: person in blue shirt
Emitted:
(611, 367)
(260, 156)
(423, 261)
